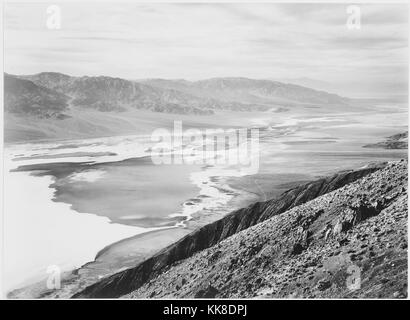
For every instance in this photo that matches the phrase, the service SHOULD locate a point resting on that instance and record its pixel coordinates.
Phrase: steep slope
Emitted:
(351, 242)
(213, 233)
(23, 97)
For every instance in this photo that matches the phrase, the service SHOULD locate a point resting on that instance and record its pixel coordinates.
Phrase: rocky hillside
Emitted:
(397, 141)
(212, 234)
(351, 242)
(23, 97)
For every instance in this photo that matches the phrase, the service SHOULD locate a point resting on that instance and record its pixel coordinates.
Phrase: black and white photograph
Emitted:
(221, 151)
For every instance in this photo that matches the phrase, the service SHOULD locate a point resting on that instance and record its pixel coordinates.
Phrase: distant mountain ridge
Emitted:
(261, 91)
(171, 96)
(51, 105)
(115, 94)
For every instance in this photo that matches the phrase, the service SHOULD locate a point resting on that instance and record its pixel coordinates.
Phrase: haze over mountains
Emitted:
(353, 88)
(54, 99)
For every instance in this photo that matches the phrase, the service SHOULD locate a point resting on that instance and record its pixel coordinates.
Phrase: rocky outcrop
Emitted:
(351, 242)
(397, 141)
(212, 234)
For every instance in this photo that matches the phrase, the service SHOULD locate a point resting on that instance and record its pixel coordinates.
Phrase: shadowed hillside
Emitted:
(351, 242)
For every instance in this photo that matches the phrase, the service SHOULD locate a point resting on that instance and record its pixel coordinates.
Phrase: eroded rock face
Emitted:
(351, 242)
(211, 234)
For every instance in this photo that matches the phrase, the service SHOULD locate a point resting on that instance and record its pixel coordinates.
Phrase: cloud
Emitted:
(368, 42)
(209, 40)
(386, 15)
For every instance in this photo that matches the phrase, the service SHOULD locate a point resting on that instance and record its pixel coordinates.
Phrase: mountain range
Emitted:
(50, 98)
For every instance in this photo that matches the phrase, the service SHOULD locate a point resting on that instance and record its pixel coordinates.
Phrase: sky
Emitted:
(198, 41)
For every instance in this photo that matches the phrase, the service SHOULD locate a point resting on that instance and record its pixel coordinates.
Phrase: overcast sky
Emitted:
(195, 41)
